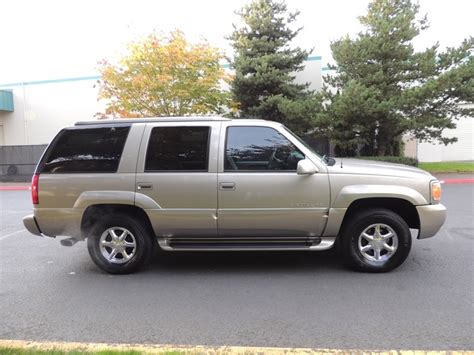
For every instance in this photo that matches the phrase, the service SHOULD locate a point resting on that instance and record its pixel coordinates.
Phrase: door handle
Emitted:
(227, 186)
(144, 186)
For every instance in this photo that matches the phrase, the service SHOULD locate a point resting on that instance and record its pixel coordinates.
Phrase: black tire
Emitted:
(354, 227)
(142, 252)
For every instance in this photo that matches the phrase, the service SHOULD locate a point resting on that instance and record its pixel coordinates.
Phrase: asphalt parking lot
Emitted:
(50, 292)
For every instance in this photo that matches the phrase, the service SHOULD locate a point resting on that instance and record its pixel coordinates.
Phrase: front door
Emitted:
(178, 171)
(259, 191)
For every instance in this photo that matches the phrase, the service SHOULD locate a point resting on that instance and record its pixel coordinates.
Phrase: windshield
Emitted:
(304, 143)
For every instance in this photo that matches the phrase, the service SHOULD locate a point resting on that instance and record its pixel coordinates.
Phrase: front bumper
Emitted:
(30, 224)
(432, 218)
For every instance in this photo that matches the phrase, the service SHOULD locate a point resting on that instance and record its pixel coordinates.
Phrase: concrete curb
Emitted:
(209, 350)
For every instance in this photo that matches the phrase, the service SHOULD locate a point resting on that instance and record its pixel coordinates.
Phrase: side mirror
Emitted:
(331, 161)
(306, 167)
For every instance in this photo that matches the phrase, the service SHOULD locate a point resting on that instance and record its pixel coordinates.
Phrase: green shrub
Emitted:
(393, 159)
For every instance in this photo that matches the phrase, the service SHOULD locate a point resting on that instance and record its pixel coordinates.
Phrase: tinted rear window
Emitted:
(178, 149)
(90, 150)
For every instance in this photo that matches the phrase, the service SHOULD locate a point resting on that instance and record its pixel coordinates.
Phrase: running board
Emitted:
(245, 244)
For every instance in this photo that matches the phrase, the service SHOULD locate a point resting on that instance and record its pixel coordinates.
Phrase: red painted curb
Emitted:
(457, 181)
(14, 188)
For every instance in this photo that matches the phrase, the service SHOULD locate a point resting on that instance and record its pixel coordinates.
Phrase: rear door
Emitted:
(260, 193)
(177, 168)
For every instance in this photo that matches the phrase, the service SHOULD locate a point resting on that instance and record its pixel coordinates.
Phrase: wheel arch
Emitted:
(94, 213)
(404, 208)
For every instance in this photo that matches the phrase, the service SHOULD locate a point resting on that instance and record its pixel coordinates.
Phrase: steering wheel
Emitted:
(273, 158)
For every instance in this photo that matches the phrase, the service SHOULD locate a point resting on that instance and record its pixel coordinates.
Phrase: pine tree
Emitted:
(383, 89)
(265, 64)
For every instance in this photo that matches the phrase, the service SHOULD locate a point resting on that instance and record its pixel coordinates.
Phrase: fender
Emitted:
(350, 193)
(89, 198)
(146, 202)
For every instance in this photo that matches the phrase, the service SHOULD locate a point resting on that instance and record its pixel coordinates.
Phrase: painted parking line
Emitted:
(2, 237)
(208, 350)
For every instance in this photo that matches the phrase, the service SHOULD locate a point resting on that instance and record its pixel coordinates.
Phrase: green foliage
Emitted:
(383, 89)
(393, 159)
(265, 64)
(164, 76)
(448, 167)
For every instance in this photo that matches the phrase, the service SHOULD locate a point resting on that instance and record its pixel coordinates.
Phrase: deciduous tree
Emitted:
(164, 76)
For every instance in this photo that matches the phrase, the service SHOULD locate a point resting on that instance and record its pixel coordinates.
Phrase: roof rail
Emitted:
(151, 120)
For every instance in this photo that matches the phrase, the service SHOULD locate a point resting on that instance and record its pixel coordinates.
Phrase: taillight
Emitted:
(34, 189)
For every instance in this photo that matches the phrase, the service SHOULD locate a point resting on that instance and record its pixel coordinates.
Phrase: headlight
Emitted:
(435, 191)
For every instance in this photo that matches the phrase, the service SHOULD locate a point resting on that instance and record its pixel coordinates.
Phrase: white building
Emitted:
(463, 149)
(42, 108)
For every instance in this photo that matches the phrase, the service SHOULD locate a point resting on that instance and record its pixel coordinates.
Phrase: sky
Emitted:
(54, 39)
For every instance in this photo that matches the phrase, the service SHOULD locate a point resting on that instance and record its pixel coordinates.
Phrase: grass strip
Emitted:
(448, 167)
(20, 351)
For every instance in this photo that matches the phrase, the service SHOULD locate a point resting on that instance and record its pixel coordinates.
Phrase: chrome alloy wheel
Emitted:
(117, 245)
(378, 243)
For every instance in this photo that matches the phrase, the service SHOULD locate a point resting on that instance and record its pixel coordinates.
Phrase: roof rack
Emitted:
(151, 120)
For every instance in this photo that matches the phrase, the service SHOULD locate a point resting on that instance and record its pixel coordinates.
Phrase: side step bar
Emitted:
(247, 244)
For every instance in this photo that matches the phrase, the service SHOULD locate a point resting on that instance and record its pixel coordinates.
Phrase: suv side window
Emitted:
(178, 149)
(85, 150)
(259, 149)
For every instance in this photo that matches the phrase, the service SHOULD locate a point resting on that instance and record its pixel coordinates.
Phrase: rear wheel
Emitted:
(119, 244)
(375, 240)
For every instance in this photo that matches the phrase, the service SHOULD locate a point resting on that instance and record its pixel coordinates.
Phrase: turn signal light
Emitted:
(436, 191)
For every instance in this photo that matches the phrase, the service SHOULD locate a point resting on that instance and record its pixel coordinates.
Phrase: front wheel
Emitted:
(119, 244)
(375, 240)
